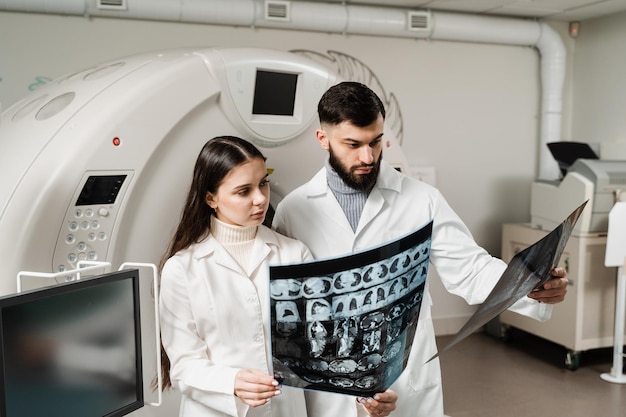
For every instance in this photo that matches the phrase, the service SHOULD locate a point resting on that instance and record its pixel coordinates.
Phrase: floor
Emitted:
(525, 376)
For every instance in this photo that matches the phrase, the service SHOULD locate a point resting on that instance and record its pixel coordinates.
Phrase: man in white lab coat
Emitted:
(358, 201)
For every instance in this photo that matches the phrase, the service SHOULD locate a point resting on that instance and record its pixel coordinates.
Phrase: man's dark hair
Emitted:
(352, 102)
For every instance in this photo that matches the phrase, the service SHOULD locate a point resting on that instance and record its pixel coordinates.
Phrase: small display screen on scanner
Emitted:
(100, 189)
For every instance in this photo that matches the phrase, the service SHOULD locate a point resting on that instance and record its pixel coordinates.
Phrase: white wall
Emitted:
(599, 93)
(470, 110)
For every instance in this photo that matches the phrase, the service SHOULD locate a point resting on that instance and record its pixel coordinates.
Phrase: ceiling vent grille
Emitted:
(112, 4)
(419, 21)
(278, 10)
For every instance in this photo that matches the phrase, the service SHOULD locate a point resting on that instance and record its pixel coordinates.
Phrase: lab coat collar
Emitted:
(389, 178)
(318, 185)
(389, 181)
(265, 242)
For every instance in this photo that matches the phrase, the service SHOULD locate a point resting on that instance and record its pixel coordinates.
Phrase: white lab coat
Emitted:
(396, 206)
(214, 322)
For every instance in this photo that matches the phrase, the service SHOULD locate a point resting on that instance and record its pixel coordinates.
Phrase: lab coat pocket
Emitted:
(422, 374)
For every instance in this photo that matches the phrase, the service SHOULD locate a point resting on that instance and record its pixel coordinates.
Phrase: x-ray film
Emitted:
(346, 324)
(529, 269)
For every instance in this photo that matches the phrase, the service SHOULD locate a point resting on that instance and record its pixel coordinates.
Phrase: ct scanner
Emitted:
(95, 165)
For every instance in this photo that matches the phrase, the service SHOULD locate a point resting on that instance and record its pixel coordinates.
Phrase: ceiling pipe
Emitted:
(346, 18)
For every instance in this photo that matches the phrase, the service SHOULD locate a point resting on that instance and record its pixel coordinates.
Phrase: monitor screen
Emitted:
(100, 189)
(72, 350)
(274, 93)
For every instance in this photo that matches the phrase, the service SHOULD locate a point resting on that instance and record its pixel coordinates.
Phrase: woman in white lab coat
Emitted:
(214, 290)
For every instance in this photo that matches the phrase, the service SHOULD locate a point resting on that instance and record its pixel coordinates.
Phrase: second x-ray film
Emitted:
(528, 270)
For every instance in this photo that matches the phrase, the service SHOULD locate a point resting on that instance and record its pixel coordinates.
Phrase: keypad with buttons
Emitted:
(86, 231)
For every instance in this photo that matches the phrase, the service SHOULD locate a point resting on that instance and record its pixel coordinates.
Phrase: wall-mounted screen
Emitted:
(274, 93)
(72, 350)
(269, 96)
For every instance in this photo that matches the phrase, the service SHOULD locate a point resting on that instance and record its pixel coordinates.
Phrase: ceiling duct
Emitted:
(347, 18)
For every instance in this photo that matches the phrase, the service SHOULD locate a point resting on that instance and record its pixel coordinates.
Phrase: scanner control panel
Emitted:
(88, 224)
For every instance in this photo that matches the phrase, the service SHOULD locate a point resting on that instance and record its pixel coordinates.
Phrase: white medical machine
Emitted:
(585, 319)
(599, 181)
(96, 165)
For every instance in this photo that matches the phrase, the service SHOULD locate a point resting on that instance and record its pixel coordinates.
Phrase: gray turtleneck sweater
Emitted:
(351, 201)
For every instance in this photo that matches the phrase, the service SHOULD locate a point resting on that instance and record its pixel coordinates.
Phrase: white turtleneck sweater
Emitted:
(237, 240)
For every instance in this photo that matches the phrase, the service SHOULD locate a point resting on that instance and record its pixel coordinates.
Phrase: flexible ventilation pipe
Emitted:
(351, 19)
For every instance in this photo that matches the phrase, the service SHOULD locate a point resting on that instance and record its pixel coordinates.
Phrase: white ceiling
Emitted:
(564, 10)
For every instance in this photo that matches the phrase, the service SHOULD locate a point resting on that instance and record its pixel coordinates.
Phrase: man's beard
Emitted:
(358, 182)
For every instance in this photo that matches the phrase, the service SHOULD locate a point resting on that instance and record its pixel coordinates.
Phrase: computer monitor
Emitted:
(73, 349)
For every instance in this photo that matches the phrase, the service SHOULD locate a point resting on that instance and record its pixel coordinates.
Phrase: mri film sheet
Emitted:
(528, 270)
(346, 324)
